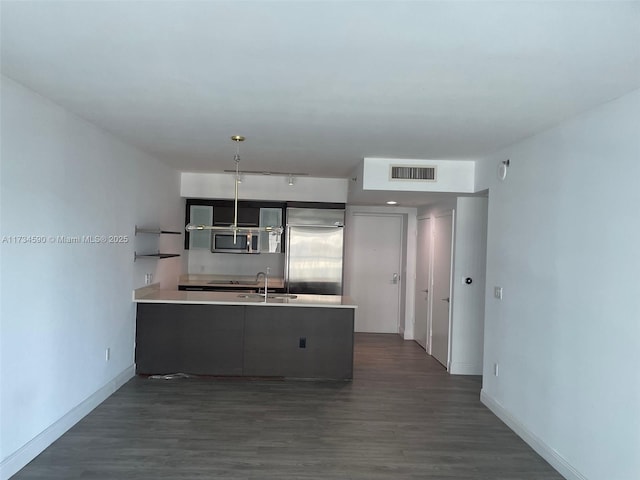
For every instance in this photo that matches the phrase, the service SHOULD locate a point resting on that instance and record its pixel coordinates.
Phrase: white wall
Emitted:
(430, 211)
(563, 242)
(452, 175)
(202, 261)
(468, 300)
(264, 187)
(62, 305)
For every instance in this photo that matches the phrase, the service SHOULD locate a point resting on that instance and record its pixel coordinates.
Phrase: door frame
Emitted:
(429, 259)
(401, 271)
(451, 266)
(451, 278)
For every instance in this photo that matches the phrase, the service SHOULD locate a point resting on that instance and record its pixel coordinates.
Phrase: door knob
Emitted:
(394, 280)
(445, 299)
(425, 290)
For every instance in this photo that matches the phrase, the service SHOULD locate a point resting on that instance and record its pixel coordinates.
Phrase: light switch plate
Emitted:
(497, 292)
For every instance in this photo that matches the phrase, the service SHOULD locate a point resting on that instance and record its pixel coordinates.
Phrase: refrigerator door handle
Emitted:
(287, 251)
(316, 226)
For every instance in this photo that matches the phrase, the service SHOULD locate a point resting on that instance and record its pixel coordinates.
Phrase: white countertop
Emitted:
(153, 294)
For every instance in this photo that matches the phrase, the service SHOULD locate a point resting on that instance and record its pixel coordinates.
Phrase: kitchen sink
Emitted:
(269, 295)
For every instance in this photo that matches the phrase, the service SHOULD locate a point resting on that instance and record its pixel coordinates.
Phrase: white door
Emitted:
(441, 288)
(423, 282)
(375, 244)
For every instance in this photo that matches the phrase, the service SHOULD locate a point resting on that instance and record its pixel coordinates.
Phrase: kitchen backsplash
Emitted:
(203, 261)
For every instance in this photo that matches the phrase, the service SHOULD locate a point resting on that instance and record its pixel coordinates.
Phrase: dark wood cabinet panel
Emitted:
(235, 289)
(299, 342)
(247, 216)
(234, 340)
(223, 212)
(196, 339)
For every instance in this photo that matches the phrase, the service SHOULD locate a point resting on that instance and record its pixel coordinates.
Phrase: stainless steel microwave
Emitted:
(244, 243)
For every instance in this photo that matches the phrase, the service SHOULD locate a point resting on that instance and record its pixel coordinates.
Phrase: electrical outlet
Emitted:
(495, 369)
(107, 354)
(303, 342)
(497, 292)
(148, 278)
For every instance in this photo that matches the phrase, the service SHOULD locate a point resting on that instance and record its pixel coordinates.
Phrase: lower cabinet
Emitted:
(300, 342)
(196, 339)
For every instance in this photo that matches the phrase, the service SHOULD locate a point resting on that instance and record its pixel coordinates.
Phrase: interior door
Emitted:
(441, 288)
(376, 253)
(423, 282)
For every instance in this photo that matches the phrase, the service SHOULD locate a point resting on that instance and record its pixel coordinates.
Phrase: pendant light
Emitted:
(234, 228)
(236, 158)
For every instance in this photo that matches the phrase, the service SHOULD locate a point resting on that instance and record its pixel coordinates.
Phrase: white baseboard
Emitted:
(556, 460)
(461, 368)
(21, 457)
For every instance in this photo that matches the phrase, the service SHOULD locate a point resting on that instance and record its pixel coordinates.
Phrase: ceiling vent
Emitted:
(406, 172)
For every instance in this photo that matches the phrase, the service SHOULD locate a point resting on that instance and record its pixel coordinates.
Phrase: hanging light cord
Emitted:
(236, 157)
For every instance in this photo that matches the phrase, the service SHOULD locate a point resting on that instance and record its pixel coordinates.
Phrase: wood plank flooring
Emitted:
(402, 417)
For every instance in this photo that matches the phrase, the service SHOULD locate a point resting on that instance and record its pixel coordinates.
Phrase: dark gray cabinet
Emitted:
(221, 213)
(236, 340)
(248, 216)
(197, 339)
(217, 288)
(302, 342)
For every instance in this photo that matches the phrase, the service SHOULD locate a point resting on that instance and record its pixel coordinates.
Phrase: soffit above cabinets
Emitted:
(449, 176)
(264, 187)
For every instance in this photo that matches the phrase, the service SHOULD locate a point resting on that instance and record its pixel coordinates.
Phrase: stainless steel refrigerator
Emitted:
(314, 251)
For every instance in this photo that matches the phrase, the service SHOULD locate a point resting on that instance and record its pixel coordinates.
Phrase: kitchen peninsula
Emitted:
(239, 334)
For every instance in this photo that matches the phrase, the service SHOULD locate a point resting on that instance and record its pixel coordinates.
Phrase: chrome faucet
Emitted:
(266, 281)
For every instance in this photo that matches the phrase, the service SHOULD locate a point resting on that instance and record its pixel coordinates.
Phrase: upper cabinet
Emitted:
(271, 242)
(253, 213)
(199, 215)
(248, 215)
(221, 214)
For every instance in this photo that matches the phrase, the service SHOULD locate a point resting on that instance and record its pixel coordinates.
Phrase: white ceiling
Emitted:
(317, 86)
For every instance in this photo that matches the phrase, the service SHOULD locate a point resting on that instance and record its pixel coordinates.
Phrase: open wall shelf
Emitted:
(155, 231)
(154, 255)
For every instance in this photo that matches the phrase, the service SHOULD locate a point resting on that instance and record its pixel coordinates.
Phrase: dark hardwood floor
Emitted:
(402, 417)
